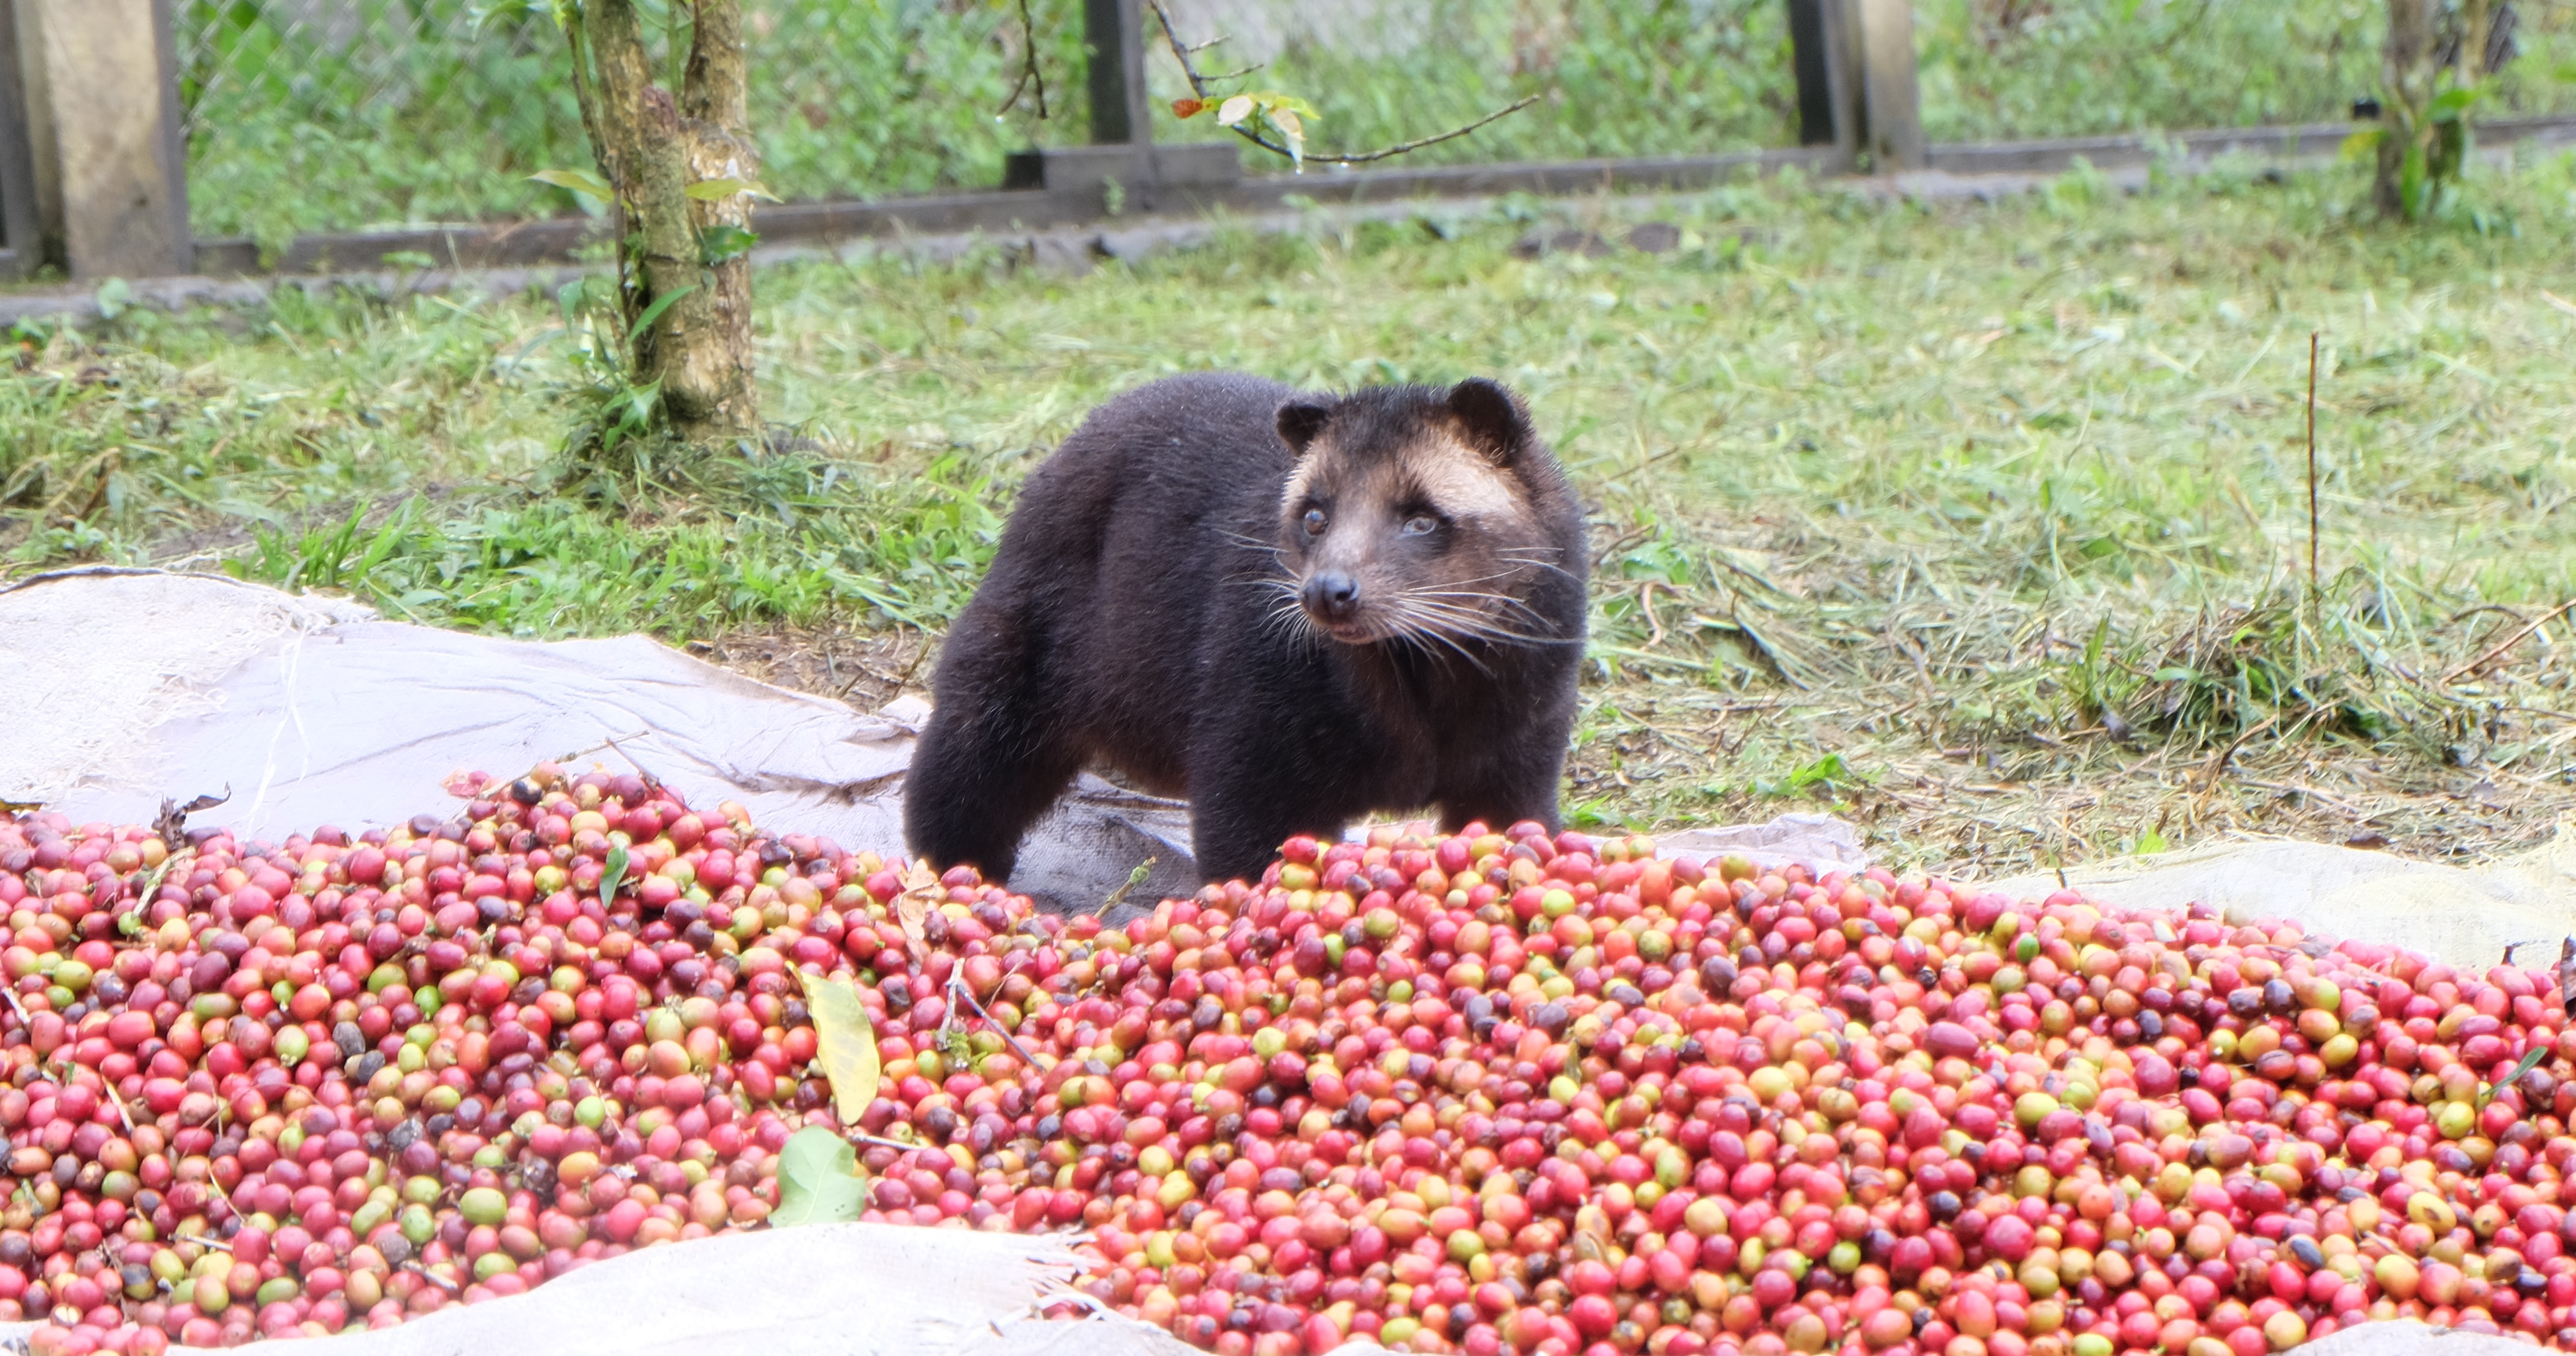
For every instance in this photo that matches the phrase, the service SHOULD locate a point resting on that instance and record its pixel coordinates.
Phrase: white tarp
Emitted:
(129, 687)
(2464, 916)
(124, 688)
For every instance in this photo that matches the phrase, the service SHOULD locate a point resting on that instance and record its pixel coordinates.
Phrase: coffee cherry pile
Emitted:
(1485, 1092)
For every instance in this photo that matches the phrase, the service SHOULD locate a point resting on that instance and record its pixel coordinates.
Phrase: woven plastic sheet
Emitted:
(2522, 906)
(819, 1290)
(128, 688)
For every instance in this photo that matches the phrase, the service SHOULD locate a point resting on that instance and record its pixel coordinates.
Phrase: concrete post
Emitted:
(1121, 111)
(21, 235)
(1888, 87)
(110, 166)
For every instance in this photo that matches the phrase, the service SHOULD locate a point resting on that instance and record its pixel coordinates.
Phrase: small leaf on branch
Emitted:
(1291, 131)
(723, 242)
(1236, 111)
(579, 181)
(717, 190)
(818, 1181)
(2363, 142)
(1188, 108)
(484, 16)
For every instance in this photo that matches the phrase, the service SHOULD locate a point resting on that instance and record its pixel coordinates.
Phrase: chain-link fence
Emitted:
(2011, 69)
(334, 114)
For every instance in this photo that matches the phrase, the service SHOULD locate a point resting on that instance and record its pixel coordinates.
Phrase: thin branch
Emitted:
(2510, 641)
(1199, 86)
(1029, 71)
(611, 165)
(2312, 471)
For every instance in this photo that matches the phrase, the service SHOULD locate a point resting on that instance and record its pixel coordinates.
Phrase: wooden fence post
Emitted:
(1889, 90)
(22, 237)
(105, 122)
(1114, 32)
(1820, 57)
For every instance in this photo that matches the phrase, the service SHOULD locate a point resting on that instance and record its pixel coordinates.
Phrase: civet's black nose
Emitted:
(1332, 596)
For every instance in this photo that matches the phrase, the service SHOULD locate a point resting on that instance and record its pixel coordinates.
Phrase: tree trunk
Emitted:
(2406, 70)
(715, 109)
(652, 148)
(2477, 25)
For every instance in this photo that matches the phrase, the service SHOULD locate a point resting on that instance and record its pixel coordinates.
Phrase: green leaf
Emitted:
(660, 304)
(2363, 143)
(579, 181)
(613, 876)
(722, 243)
(818, 1181)
(2451, 103)
(2150, 843)
(484, 16)
(844, 1044)
(2530, 1061)
(114, 296)
(2414, 183)
(716, 190)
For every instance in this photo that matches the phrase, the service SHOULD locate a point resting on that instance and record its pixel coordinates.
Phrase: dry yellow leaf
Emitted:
(844, 1044)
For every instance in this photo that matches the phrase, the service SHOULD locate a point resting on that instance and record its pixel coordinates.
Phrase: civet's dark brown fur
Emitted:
(1293, 609)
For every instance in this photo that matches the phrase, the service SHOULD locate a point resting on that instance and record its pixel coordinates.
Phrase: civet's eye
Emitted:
(1314, 522)
(1421, 525)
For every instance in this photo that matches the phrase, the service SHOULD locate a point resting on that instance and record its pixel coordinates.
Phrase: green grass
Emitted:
(1985, 523)
(415, 114)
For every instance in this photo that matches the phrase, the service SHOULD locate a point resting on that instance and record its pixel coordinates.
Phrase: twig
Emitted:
(1119, 895)
(863, 1137)
(2209, 776)
(433, 1278)
(2312, 472)
(956, 983)
(201, 1241)
(123, 1112)
(649, 779)
(608, 742)
(1646, 604)
(2510, 641)
(1029, 71)
(1199, 86)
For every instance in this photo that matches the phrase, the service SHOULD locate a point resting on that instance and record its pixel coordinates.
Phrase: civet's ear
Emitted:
(1300, 421)
(1491, 417)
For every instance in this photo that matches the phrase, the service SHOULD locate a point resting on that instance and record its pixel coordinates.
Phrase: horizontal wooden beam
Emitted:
(528, 244)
